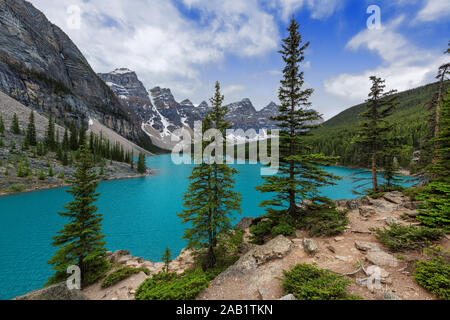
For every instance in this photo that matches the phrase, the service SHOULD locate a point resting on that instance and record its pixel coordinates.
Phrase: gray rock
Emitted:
(412, 213)
(391, 220)
(394, 197)
(288, 297)
(382, 258)
(388, 295)
(55, 292)
(245, 223)
(310, 246)
(412, 205)
(366, 211)
(366, 246)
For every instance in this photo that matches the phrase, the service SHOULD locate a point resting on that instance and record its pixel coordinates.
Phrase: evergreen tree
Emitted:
(73, 142)
(300, 173)
(436, 212)
(41, 175)
(50, 171)
(141, 167)
(82, 135)
(210, 199)
(65, 142)
(81, 242)
(31, 130)
(372, 136)
(50, 140)
(166, 258)
(15, 125)
(2, 126)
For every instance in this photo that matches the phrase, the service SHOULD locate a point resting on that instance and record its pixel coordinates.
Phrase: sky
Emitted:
(187, 45)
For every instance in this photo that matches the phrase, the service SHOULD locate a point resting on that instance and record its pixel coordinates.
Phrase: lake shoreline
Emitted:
(150, 172)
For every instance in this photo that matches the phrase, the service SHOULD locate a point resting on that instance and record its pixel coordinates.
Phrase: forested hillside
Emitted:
(335, 137)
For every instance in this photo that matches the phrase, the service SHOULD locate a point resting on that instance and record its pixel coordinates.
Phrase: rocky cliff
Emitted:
(43, 69)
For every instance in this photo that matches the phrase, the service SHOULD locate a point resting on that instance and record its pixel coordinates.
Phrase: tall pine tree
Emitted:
(2, 126)
(31, 131)
(15, 125)
(50, 140)
(300, 173)
(372, 136)
(141, 167)
(210, 200)
(81, 241)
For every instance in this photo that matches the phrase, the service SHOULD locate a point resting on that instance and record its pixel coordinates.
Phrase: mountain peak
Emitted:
(187, 102)
(122, 71)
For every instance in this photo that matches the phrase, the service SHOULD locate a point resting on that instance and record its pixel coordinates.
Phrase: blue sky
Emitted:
(187, 45)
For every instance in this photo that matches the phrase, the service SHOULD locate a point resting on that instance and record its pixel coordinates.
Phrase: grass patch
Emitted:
(307, 282)
(401, 238)
(121, 274)
(434, 275)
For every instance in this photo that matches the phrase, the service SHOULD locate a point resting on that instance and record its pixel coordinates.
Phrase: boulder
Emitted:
(277, 248)
(366, 211)
(394, 197)
(288, 297)
(388, 295)
(115, 256)
(366, 246)
(245, 223)
(353, 204)
(382, 258)
(391, 220)
(412, 213)
(56, 292)
(412, 205)
(310, 246)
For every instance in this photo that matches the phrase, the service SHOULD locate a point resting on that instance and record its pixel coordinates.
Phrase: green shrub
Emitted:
(325, 222)
(170, 286)
(121, 274)
(259, 231)
(16, 188)
(307, 282)
(434, 275)
(400, 238)
(284, 229)
(230, 242)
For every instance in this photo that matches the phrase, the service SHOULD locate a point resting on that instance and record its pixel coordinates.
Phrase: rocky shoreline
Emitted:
(355, 254)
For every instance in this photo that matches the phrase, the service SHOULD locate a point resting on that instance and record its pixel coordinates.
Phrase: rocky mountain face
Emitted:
(43, 69)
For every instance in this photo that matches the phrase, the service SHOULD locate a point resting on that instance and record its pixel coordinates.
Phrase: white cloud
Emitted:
(404, 65)
(232, 89)
(434, 10)
(165, 47)
(320, 9)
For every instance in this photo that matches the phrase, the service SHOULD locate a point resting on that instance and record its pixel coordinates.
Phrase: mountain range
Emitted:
(161, 114)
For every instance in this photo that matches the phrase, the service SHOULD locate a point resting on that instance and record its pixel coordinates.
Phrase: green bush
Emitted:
(121, 274)
(16, 188)
(400, 238)
(284, 229)
(435, 212)
(170, 286)
(307, 282)
(325, 222)
(434, 275)
(230, 242)
(259, 231)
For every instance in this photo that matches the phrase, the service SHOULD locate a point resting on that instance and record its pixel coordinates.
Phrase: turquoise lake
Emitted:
(139, 215)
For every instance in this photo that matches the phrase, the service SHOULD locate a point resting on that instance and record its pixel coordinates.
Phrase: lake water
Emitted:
(139, 215)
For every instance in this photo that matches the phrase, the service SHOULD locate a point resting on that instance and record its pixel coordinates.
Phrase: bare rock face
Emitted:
(43, 69)
(382, 258)
(55, 292)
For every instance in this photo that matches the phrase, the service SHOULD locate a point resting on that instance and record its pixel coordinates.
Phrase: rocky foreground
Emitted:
(257, 274)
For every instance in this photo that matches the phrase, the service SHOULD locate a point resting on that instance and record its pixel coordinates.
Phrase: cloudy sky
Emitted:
(187, 45)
